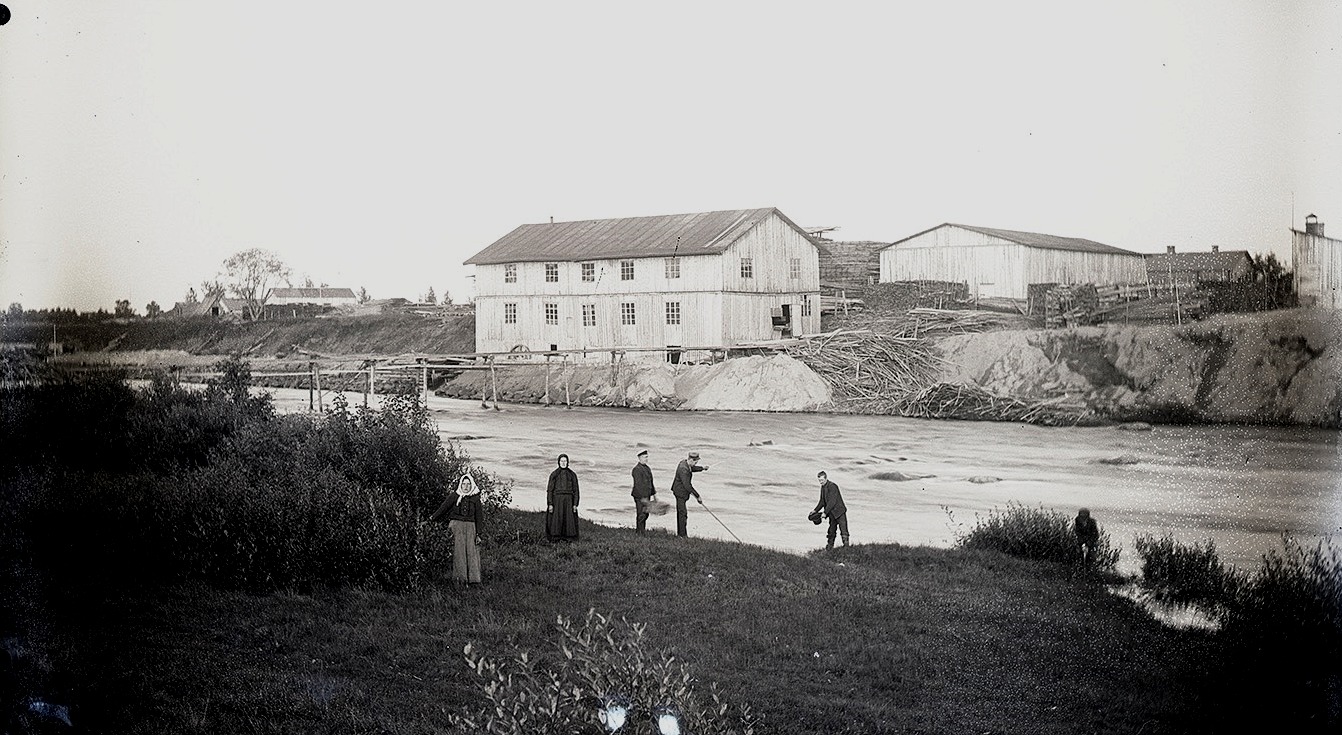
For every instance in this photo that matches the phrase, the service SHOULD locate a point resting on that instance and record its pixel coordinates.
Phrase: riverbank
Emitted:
(869, 639)
(1277, 367)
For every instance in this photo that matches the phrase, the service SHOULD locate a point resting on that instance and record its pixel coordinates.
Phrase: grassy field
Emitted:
(868, 639)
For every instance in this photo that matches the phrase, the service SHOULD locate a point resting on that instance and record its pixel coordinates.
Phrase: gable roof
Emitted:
(1034, 240)
(701, 233)
(312, 293)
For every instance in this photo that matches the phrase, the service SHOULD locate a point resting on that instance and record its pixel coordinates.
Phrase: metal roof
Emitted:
(700, 233)
(1034, 240)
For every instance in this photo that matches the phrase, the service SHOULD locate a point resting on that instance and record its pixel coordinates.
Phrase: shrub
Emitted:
(1186, 574)
(603, 673)
(1034, 533)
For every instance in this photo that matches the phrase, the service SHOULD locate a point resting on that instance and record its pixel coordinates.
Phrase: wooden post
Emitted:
(371, 377)
(546, 401)
(424, 383)
(1178, 312)
(568, 403)
(494, 381)
(317, 379)
(483, 387)
(312, 385)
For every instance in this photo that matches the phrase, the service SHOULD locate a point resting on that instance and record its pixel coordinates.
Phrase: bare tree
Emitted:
(251, 274)
(211, 288)
(152, 309)
(191, 297)
(363, 295)
(123, 308)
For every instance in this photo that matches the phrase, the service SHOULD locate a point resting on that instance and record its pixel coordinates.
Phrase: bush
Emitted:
(603, 673)
(1185, 574)
(1034, 533)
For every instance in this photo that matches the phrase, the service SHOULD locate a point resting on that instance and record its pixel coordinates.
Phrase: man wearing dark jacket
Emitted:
(644, 492)
(683, 487)
(831, 502)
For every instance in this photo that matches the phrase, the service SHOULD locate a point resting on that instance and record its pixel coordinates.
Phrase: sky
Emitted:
(378, 145)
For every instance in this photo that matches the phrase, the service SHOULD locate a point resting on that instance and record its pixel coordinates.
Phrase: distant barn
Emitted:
(1189, 269)
(664, 282)
(323, 296)
(1003, 263)
(1317, 261)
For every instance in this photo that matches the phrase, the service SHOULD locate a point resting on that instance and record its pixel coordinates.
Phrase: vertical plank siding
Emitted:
(717, 306)
(1317, 261)
(993, 267)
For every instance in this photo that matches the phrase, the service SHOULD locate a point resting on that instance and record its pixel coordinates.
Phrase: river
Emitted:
(1241, 486)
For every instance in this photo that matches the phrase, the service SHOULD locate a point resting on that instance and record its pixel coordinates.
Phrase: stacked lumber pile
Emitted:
(868, 372)
(927, 322)
(1070, 306)
(851, 264)
(970, 402)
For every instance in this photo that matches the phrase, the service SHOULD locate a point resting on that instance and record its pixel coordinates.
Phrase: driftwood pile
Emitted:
(970, 402)
(868, 372)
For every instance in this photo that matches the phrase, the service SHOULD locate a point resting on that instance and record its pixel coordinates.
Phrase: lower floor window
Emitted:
(552, 313)
(627, 313)
(510, 313)
(589, 315)
(673, 312)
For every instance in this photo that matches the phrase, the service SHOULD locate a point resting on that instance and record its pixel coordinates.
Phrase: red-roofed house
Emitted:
(671, 281)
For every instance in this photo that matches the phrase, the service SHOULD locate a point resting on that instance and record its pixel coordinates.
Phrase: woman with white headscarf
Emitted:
(464, 513)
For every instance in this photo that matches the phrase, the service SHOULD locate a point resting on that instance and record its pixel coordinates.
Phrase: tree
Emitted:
(307, 282)
(212, 288)
(191, 297)
(15, 309)
(123, 308)
(363, 295)
(152, 309)
(251, 274)
(1278, 281)
(447, 298)
(430, 298)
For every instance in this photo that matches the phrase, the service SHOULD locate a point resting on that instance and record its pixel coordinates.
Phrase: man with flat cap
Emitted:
(644, 492)
(683, 487)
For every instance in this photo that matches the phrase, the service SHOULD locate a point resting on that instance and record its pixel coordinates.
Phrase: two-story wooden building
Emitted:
(668, 282)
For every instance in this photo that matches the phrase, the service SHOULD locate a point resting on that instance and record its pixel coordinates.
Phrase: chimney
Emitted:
(552, 219)
(1169, 249)
(1313, 226)
(1216, 248)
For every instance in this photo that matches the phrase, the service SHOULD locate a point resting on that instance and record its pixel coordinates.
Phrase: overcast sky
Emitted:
(379, 144)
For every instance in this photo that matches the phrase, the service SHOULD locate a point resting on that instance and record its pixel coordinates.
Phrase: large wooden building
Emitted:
(1317, 261)
(1003, 263)
(668, 282)
(1190, 269)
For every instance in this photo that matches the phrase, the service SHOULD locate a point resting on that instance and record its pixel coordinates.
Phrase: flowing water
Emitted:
(1241, 486)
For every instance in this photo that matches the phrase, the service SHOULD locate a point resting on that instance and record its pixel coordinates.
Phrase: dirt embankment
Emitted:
(777, 383)
(1275, 367)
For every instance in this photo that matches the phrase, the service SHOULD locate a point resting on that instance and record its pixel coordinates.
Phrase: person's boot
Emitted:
(845, 540)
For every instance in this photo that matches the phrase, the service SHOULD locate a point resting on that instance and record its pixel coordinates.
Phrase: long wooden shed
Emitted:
(1003, 263)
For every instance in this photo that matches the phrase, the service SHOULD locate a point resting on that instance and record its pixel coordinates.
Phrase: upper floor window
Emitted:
(794, 268)
(589, 315)
(552, 273)
(673, 267)
(673, 312)
(627, 313)
(626, 270)
(589, 271)
(510, 273)
(510, 313)
(552, 313)
(747, 268)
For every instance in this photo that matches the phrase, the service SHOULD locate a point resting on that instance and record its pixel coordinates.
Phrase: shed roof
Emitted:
(1034, 240)
(701, 233)
(312, 293)
(1224, 260)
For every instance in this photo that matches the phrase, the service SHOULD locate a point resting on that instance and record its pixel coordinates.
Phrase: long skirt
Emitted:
(562, 521)
(465, 553)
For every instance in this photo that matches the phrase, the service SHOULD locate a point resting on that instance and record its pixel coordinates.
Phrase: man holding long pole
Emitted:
(683, 487)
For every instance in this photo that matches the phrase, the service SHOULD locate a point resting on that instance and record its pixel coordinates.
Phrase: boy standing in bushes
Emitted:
(1087, 536)
(831, 501)
(465, 514)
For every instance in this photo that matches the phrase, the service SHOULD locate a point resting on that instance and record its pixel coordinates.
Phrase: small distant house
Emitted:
(1003, 263)
(657, 283)
(215, 306)
(323, 296)
(1317, 262)
(1189, 269)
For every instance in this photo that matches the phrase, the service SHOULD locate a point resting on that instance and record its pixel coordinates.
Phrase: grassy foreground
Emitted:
(868, 639)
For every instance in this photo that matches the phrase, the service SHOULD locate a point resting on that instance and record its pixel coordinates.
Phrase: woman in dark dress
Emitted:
(561, 503)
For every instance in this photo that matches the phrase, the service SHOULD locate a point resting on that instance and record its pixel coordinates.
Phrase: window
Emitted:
(747, 268)
(805, 305)
(626, 270)
(552, 313)
(794, 268)
(510, 313)
(510, 273)
(627, 313)
(673, 267)
(589, 315)
(673, 312)
(589, 271)
(552, 273)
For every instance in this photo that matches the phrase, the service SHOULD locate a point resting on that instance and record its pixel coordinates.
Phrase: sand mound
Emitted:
(778, 383)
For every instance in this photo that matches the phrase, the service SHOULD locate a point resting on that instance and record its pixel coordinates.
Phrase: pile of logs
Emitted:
(970, 402)
(868, 372)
